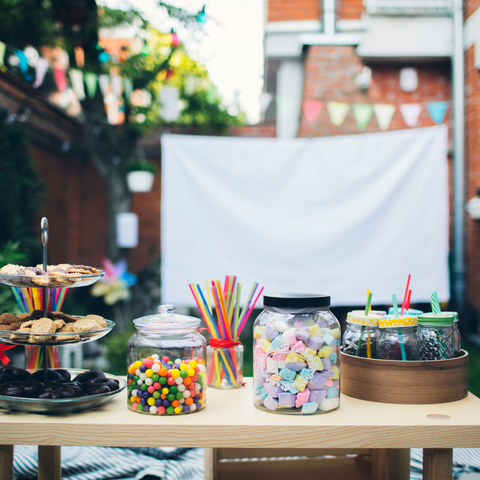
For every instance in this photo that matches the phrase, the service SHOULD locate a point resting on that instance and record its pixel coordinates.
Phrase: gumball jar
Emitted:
(296, 350)
(166, 364)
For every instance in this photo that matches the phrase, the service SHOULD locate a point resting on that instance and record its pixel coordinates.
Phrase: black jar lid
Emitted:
(291, 302)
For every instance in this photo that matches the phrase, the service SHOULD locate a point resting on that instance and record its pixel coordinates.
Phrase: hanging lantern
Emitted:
(175, 42)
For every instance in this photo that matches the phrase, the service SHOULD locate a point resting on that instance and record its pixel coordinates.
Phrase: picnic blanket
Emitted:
(105, 463)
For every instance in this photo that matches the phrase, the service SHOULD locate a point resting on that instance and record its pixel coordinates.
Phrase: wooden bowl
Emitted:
(413, 382)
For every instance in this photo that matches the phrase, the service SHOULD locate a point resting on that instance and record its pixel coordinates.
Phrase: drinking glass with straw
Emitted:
(225, 352)
(362, 330)
(400, 335)
(436, 310)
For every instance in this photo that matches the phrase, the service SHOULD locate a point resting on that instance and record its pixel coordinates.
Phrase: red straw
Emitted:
(408, 300)
(406, 293)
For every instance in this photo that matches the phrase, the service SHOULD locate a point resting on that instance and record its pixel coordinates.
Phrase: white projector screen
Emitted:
(336, 215)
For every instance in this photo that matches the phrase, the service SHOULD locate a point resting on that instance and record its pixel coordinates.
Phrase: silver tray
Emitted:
(61, 405)
(50, 281)
(52, 339)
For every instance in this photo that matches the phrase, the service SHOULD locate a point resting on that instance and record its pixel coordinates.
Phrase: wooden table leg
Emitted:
(211, 460)
(49, 463)
(398, 460)
(6, 462)
(437, 463)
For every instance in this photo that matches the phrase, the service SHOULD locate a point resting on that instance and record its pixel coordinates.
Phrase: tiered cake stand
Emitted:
(44, 340)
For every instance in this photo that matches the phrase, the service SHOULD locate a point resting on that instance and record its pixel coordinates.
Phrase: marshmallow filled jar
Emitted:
(296, 351)
(166, 364)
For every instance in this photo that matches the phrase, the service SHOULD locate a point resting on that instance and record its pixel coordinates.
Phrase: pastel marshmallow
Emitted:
(332, 392)
(328, 404)
(327, 364)
(286, 399)
(310, 407)
(270, 333)
(302, 334)
(271, 403)
(257, 388)
(336, 373)
(280, 326)
(271, 390)
(330, 340)
(257, 332)
(281, 364)
(265, 344)
(279, 355)
(335, 333)
(300, 383)
(302, 398)
(278, 342)
(309, 351)
(328, 374)
(329, 383)
(325, 351)
(315, 330)
(299, 346)
(295, 366)
(289, 337)
(318, 363)
(315, 342)
(306, 373)
(258, 400)
(317, 382)
(317, 395)
(333, 357)
(290, 387)
(287, 374)
(293, 358)
(272, 365)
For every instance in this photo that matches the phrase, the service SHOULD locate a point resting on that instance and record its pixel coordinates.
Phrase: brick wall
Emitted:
(265, 130)
(472, 151)
(289, 10)
(329, 76)
(349, 9)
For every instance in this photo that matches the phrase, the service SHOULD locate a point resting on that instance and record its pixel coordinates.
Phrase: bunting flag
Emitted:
(384, 114)
(117, 86)
(2, 53)
(127, 87)
(337, 112)
(104, 82)
(437, 111)
(362, 113)
(76, 76)
(41, 68)
(311, 108)
(23, 64)
(169, 97)
(91, 82)
(60, 78)
(410, 113)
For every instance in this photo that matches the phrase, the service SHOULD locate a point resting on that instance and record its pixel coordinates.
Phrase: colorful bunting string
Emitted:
(337, 112)
(311, 109)
(383, 114)
(362, 112)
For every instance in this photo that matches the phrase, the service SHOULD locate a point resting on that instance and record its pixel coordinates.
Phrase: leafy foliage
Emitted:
(22, 193)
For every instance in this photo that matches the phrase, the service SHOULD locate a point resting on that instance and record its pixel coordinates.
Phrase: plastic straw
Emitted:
(247, 305)
(58, 306)
(362, 330)
(437, 309)
(237, 313)
(400, 335)
(244, 321)
(18, 298)
(406, 293)
(407, 306)
(224, 311)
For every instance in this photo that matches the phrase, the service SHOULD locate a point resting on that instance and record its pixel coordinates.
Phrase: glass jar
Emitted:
(361, 336)
(456, 333)
(166, 364)
(398, 338)
(296, 350)
(436, 336)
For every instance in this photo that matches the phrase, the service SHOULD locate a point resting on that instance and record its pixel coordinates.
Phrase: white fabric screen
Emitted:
(336, 215)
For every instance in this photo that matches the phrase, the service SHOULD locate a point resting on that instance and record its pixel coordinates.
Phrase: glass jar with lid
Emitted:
(436, 336)
(456, 334)
(296, 355)
(166, 364)
(398, 338)
(361, 336)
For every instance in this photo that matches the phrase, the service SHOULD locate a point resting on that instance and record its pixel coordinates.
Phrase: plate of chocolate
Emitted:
(56, 276)
(57, 328)
(61, 391)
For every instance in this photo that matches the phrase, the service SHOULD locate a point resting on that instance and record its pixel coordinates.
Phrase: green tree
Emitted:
(69, 24)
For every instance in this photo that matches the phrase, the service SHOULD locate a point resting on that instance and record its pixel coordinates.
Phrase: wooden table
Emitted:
(379, 434)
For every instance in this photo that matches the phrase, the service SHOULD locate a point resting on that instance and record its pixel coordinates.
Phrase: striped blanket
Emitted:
(105, 463)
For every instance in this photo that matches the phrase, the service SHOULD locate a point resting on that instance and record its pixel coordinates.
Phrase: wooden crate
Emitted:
(412, 382)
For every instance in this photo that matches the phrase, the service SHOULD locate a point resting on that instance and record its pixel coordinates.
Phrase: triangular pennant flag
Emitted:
(337, 112)
(2, 53)
(410, 113)
(60, 78)
(41, 68)
(76, 76)
(265, 99)
(384, 114)
(117, 86)
(362, 113)
(127, 87)
(104, 82)
(437, 111)
(311, 109)
(23, 64)
(169, 97)
(91, 82)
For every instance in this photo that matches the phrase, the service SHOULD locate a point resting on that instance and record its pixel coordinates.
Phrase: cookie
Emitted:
(27, 324)
(68, 338)
(24, 316)
(86, 326)
(11, 269)
(6, 327)
(67, 328)
(63, 316)
(16, 325)
(97, 318)
(43, 325)
(58, 324)
(8, 318)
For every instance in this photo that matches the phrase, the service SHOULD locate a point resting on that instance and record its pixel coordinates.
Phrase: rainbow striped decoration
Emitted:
(224, 368)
